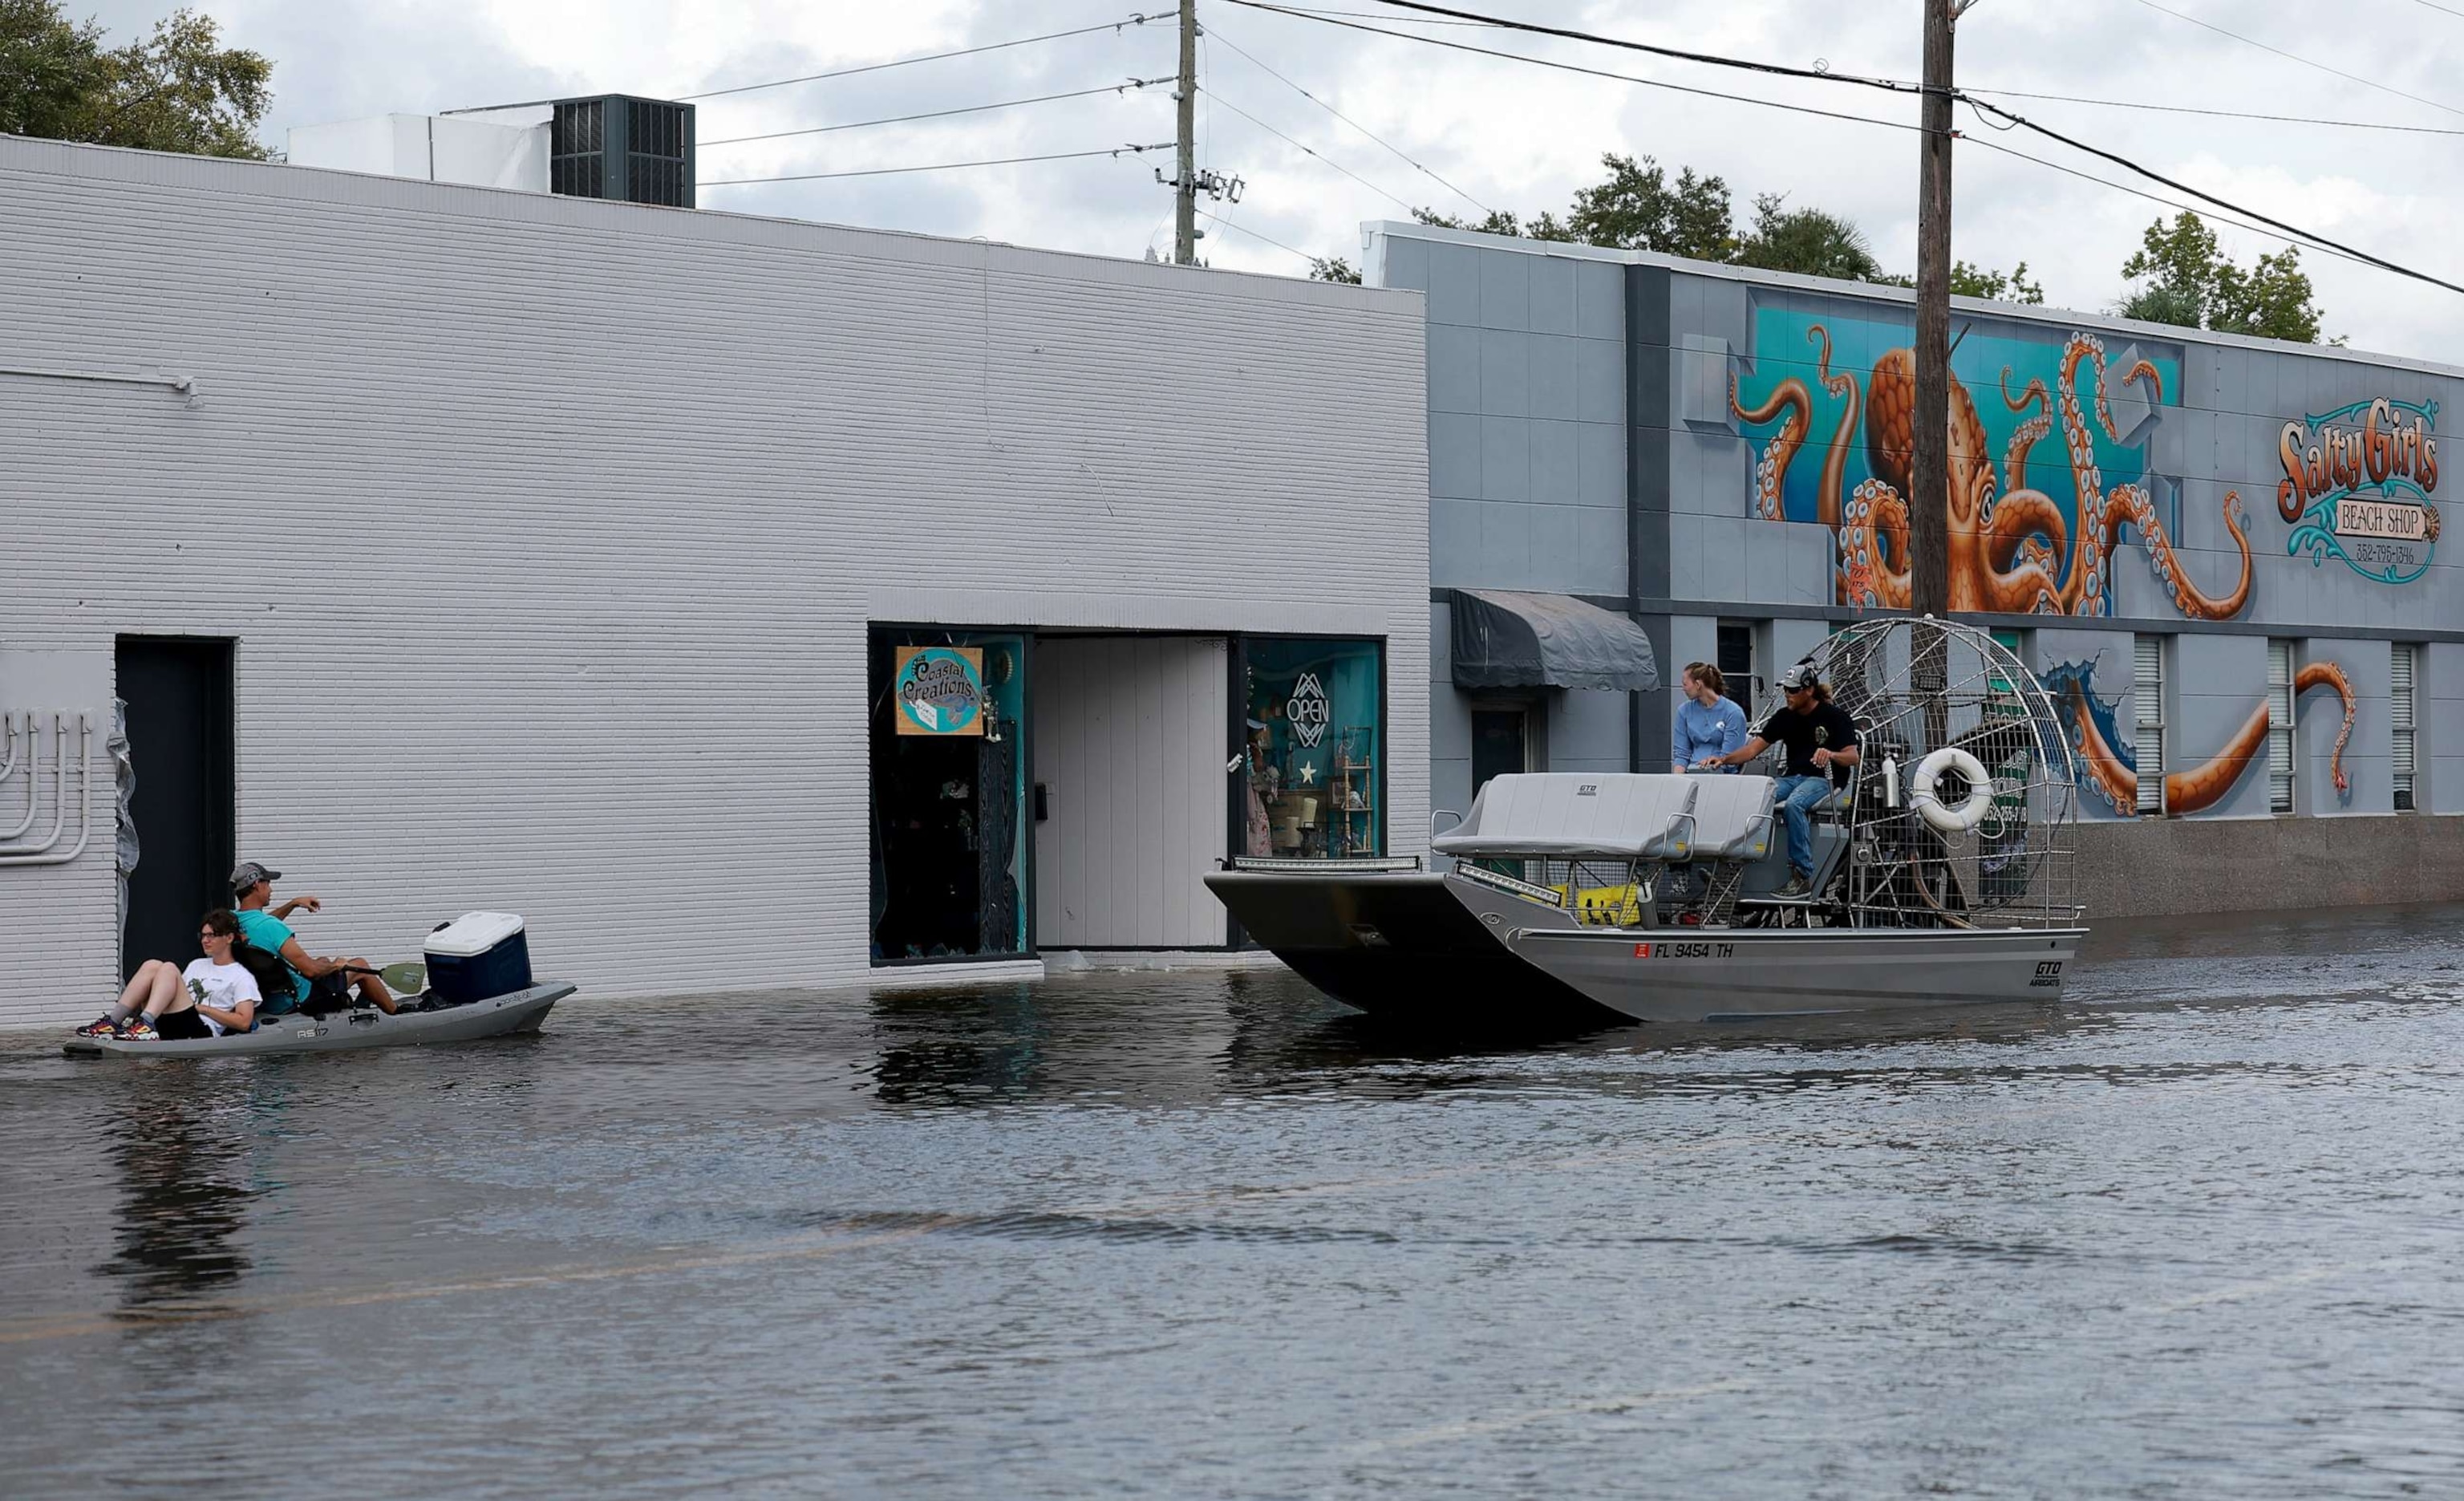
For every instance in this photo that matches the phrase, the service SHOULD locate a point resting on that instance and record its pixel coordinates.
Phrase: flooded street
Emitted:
(2195, 1233)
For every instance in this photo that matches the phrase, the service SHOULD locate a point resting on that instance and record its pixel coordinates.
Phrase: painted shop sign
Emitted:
(2357, 487)
(939, 689)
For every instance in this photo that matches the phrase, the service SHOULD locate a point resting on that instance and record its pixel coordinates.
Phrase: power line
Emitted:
(1569, 67)
(937, 113)
(1310, 152)
(901, 62)
(2135, 106)
(1750, 64)
(2209, 215)
(1980, 104)
(2307, 62)
(1255, 235)
(1348, 119)
(1378, 15)
(936, 166)
(2436, 7)
(2154, 176)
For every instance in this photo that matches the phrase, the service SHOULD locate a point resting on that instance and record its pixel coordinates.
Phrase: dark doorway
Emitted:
(179, 694)
(1736, 662)
(1501, 741)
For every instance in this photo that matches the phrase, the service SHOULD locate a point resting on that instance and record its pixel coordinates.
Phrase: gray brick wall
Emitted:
(549, 529)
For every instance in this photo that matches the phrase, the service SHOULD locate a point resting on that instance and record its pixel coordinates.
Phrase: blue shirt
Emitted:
(270, 932)
(1698, 732)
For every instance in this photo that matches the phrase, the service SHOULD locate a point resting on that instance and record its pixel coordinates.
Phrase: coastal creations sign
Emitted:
(2357, 487)
(939, 689)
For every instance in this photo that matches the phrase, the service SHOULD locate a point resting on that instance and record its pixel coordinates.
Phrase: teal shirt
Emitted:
(270, 932)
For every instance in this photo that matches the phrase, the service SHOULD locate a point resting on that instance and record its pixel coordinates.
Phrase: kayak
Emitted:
(517, 1012)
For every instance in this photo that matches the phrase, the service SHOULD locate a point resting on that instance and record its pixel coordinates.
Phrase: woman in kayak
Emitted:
(213, 995)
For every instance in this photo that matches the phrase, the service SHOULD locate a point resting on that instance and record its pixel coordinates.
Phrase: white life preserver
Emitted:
(1980, 791)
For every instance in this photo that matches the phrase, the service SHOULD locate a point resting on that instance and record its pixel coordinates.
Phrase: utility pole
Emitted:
(1184, 209)
(1929, 461)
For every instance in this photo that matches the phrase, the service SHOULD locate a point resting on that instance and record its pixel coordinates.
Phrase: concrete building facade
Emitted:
(600, 563)
(2223, 552)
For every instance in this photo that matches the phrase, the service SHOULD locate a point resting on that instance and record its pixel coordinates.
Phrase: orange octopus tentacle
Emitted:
(2327, 675)
(2205, 784)
(2106, 773)
(1771, 471)
(1874, 565)
(2029, 518)
(1835, 463)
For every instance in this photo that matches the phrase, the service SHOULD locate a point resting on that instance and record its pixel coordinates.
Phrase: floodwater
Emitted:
(2193, 1233)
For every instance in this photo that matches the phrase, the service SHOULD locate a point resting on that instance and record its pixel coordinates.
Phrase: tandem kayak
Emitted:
(517, 1012)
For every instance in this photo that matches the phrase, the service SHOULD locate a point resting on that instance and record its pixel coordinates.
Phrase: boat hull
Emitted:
(521, 1011)
(1445, 950)
(1746, 974)
(1405, 947)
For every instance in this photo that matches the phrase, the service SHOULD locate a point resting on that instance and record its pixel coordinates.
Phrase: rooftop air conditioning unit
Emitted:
(614, 146)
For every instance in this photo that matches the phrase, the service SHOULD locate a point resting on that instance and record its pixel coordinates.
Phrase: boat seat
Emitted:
(1632, 816)
(1733, 818)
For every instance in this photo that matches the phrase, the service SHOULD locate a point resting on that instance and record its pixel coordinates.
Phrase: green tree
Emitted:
(1808, 241)
(177, 90)
(2186, 279)
(1636, 207)
(1333, 268)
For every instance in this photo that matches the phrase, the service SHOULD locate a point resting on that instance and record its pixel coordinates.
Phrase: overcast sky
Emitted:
(1506, 134)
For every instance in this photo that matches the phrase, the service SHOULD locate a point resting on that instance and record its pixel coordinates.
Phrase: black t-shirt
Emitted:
(1827, 728)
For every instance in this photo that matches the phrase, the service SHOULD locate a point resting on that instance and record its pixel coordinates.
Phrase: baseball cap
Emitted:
(247, 872)
(1801, 676)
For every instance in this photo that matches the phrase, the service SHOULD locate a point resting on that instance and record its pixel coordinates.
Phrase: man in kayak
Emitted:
(322, 981)
(213, 995)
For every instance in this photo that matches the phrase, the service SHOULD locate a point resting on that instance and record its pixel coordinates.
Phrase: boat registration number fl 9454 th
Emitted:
(1685, 950)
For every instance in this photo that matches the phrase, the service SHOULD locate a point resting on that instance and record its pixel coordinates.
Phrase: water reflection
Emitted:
(185, 1198)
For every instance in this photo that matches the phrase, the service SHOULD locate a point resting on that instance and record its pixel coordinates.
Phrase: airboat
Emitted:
(1943, 873)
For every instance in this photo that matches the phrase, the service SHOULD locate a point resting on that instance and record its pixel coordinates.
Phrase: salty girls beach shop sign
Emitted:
(2357, 488)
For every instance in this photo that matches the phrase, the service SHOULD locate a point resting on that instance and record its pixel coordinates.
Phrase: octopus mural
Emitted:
(2109, 766)
(2020, 552)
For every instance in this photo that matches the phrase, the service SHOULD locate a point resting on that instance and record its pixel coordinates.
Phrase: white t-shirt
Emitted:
(221, 986)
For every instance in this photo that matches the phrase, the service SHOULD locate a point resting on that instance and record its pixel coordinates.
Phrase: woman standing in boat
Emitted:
(213, 995)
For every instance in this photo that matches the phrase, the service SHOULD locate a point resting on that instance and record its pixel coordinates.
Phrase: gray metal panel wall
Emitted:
(551, 590)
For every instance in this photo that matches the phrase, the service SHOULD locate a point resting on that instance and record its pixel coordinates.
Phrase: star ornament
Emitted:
(1308, 774)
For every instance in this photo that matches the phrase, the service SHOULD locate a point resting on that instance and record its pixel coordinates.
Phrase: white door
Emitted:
(1131, 737)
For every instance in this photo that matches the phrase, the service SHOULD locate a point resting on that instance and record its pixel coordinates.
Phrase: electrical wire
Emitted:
(1984, 106)
(1569, 67)
(2433, 4)
(937, 167)
(1255, 235)
(1378, 15)
(2136, 106)
(2210, 215)
(1321, 156)
(1749, 64)
(1256, 62)
(937, 113)
(901, 62)
(2307, 62)
(2154, 176)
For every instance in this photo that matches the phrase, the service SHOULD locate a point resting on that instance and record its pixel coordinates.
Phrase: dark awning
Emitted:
(1504, 639)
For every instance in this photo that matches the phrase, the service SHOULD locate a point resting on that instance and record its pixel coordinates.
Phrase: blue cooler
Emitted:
(477, 957)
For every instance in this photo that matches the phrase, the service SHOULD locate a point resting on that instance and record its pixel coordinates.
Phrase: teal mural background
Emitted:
(1784, 348)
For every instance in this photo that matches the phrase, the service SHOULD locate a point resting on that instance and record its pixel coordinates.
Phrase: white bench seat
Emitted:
(1578, 815)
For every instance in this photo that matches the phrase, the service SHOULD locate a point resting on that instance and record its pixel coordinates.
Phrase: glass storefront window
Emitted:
(949, 794)
(1314, 734)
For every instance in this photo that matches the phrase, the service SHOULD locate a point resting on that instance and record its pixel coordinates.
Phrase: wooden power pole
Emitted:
(1929, 460)
(1184, 207)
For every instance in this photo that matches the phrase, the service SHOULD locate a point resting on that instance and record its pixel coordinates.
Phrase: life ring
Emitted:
(1980, 791)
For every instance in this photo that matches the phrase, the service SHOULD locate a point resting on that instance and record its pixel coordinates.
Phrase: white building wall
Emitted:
(549, 529)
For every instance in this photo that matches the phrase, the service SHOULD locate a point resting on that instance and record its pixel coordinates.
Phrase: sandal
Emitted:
(100, 1026)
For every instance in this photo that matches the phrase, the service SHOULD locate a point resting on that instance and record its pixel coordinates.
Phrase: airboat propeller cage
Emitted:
(1933, 694)
(478, 956)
